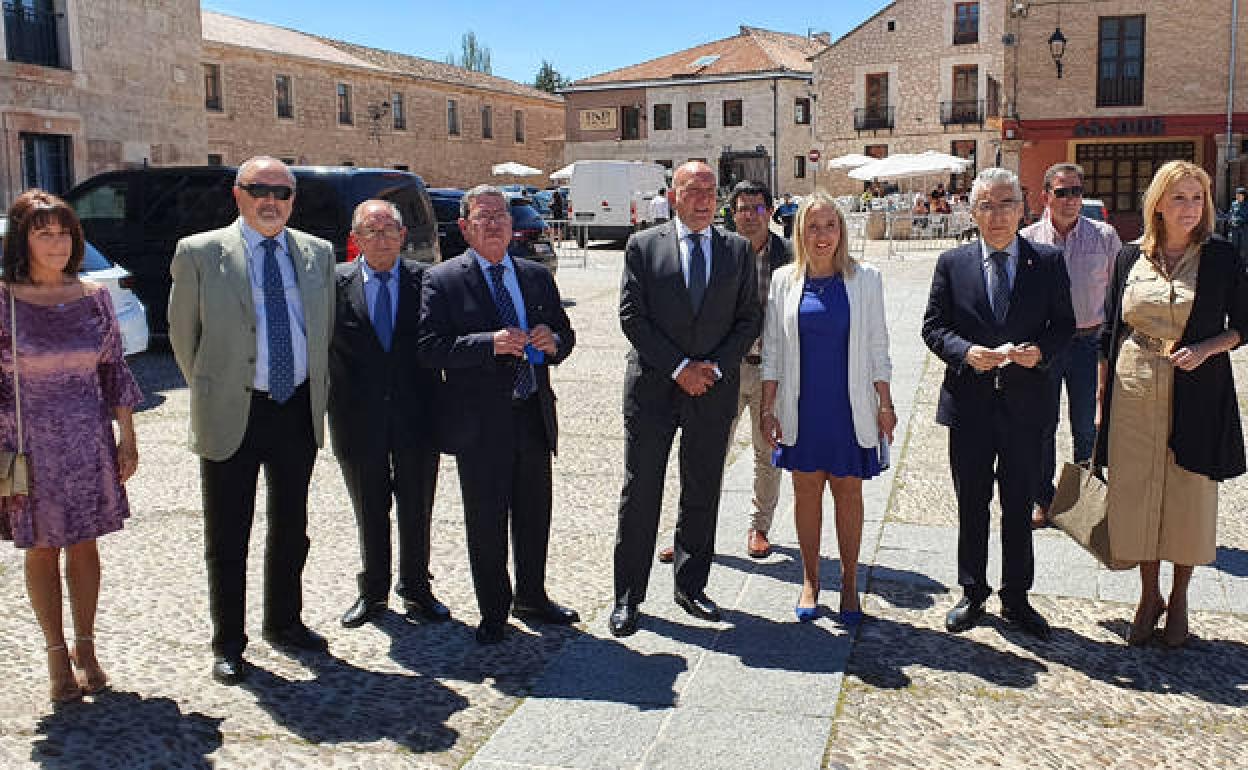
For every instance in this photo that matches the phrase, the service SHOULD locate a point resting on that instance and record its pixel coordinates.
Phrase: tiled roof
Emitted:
(750, 51)
(231, 30)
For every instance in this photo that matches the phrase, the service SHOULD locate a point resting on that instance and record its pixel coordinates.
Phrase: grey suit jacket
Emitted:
(212, 329)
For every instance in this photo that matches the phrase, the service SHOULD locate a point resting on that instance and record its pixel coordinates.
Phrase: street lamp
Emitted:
(1057, 48)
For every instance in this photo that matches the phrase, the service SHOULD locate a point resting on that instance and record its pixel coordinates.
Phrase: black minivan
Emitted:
(137, 216)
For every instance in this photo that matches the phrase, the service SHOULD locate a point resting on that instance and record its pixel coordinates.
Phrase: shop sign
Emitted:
(602, 119)
(1121, 127)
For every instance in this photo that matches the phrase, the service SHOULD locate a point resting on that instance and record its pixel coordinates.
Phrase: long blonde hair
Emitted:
(1166, 177)
(841, 261)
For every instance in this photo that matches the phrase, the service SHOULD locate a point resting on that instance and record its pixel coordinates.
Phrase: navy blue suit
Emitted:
(997, 419)
(502, 445)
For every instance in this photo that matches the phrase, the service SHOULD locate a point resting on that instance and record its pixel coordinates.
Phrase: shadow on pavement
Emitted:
(124, 729)
(346, 704)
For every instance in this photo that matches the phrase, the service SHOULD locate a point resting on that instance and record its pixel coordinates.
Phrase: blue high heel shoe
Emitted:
(805, 614)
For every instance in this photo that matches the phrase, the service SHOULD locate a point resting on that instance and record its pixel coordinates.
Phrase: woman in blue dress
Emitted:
(827, 408)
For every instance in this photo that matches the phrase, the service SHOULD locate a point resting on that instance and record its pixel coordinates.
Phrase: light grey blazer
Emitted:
(868, 349)
(212, 329)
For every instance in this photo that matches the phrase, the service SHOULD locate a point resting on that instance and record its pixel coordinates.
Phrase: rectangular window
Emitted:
(397, 111)
(799, 166)
(801, 112)
(284, 97)
(965, 23)
(875, 150)
(1120, 62)
(697, 114)
(212, 87)
(519, 121)
(963, 148)
(732, 112)
(345, 117)
(452, 117)
(32, 31)
(630, 123)
(662, 117)
(487, 122)
(214, 159)
(46, 162)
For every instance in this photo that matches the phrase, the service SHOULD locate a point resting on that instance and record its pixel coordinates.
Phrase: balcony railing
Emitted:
(32, 36)
(961, 112)
(873, 118)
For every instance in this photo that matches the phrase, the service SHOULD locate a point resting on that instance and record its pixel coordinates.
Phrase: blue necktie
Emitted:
(383, 315)
(697, 271)
(277, 319)
(1000, 286)
(523, 382)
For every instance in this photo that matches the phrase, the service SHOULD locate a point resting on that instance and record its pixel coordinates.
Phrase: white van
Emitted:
(609, 197)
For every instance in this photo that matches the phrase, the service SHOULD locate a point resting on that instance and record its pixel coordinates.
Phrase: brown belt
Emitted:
(1158, 345)
(753, 360)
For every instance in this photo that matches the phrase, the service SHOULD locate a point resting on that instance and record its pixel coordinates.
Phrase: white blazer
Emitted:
(868, 349)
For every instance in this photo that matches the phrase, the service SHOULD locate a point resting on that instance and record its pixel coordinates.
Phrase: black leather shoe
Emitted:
(361, 612)
(296, 637)
(229, 669)
(546, 612)
(623, 620)
(490, 632)
(1023, 616)
(699, 606)
(427, 608)
(964, 615)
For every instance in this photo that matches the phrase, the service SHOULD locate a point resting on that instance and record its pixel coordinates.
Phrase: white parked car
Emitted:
(131, 315)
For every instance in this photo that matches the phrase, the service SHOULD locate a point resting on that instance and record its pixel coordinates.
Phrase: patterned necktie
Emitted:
(522, 385)
(1000, 286)
(697, 271)
(277, 319)
(383, 314)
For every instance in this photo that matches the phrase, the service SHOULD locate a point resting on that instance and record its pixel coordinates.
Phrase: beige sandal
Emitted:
(63, 691)
(91, 682)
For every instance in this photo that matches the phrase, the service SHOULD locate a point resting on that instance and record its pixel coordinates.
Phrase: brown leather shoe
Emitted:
(756, 545)
(667, 554)
(1039, 517)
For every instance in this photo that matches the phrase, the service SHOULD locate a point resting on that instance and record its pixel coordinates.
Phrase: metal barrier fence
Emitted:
(856, 232)
(567, 237)
(926, 232)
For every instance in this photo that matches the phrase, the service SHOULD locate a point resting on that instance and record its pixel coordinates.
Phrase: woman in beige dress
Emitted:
(1181, 304)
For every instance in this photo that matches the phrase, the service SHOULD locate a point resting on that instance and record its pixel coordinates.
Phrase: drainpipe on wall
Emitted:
(775, 135)
(1230, 100)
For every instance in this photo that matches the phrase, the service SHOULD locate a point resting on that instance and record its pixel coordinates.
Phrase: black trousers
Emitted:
(377, 474)
(704, 424)
(1009, 452)
(279, 438)
(508, 481)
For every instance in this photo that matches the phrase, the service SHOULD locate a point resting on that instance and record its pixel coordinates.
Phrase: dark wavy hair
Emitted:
(35, 209)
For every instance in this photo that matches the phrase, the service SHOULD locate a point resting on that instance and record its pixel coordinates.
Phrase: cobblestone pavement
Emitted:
(756, 691)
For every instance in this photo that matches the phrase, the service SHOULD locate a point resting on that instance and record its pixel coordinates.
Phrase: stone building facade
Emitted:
(742, 104)
(1143, 82)
(316, 101)
(919, 75)
(91, 86)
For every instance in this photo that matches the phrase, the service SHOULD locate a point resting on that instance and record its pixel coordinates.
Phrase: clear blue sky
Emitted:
(579, 39)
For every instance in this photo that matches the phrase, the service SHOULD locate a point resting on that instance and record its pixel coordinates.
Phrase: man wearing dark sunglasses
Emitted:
(250, 315)
(1089, 248)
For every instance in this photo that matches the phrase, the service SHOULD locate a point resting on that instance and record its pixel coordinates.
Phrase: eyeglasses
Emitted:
(760, 209)
(1067, 192)
(488, 219)
(259, 191)
(1003, 207)
(390, 232)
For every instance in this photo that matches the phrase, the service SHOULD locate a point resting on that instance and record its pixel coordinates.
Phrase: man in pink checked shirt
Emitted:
(1089, 248)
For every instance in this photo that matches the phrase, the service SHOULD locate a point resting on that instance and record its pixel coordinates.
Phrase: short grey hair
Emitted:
(480, 191)
(991, 177)
(358, 216)
(248, 164)
(1061, 168)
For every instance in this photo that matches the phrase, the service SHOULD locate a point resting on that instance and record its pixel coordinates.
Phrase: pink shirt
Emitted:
(1089, 250)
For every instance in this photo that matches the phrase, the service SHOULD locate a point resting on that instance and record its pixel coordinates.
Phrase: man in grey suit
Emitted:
(689, 307)
(250, 316)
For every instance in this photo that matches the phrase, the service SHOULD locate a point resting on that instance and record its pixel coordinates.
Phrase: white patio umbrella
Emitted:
(850, 161)
(906, 166)
(511, 168)
(563, 174)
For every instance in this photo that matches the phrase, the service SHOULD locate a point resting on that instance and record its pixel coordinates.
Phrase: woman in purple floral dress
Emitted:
(73, 384)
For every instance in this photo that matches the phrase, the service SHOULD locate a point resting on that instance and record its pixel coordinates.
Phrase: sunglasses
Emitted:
(258, 191)
(1068, 192)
